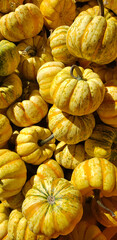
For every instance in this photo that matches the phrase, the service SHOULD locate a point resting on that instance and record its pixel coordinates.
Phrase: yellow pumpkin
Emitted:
(9, 5)
(106, 73)
(28, 23)
(14, 202)
(111, 4)
(88, 4)
(96, 173)
(45, 76)
(5, 130)
(28, 144)
(36, 2)
(69, 156)
(58, 12)
(77, 91)
(52, 207)
(13, 173)
(91, 36)
(4, 217)
(68, 128)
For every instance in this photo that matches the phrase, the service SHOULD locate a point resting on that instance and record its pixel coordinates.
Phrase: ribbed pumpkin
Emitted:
(88, 4)
(52, 207)
(91, 36)
(45, 76)
(96, 173)
(5, 130)
(58, 12)
(106, 73)
(29, 111)
(36, 2)
(110, 233)
(10, 90)
(1, 37)
(14, 202)
(9, 57)
(77, 91)
(69, 156)
(68, 128)
(111, 4)
(49, 168)
(25, 22)
(13, 173)
(101, 142)
(27, 145)
(102, 215)
(19, 229)
(107, 111)
(34, 53)
(6, 237)
(4, 217)
(58, 46)
(9, 5)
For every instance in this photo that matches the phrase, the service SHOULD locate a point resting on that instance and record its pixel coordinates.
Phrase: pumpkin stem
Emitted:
(29, 50)
(79, 76)
(42, 142)
(101, 7)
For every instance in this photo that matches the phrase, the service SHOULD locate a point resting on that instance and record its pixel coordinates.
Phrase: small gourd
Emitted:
(5, 130)
(4, 217)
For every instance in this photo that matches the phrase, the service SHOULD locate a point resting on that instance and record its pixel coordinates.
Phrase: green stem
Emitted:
(42, 142)
(79, 76)
(101, 7)
(31, 51)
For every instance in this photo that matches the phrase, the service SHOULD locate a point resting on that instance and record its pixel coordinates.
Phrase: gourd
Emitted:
(96, 173)
(107, 111)
(68, 128)
(58, 46)
(58, 12)
(77, 91)
(25, 22)
(14, 202)
(69, 156)
(92, 34)
(111, 4)
(5, 130)
(4, 217)
(10, 90)
(43, 211)
(29, 111)
(45, 76)
(106, 73)
(36, 2)
(28, 144)
(9, 5)
(9, 57)
(13, 173)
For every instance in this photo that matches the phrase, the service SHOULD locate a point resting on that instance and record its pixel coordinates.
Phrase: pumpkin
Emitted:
(96, 173)
(110, 233)
(111, 4)
(78, 92)
(1, 37)
(6, 237)
(5, 130)
(102, 215)
(28, 144)
(34, 52)
(106, 73)
(49, 168)
(18, 228)
(45, 76)
(68, 128)
(91, 35)
(15, 201)
(29, 111)
(9, 5)
(9, 57)
(10, 90)
(69, 156)
(58, 12)
(36, 2)
(25, 22)
(58, 46)
(13, 173)
(107, 111)
(87, 5)
(4, 217)
(43, 211)
(101, 142)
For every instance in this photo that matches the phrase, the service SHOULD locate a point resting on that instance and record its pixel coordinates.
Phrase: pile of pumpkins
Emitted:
(58, 119)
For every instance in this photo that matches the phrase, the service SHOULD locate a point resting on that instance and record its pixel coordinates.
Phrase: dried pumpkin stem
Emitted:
(42, 142)
(29, 50)
(101, 7)
(79, 76)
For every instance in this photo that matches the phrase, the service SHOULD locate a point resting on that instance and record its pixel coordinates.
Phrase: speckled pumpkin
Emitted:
(9, 5)
(27, 145)
(80, 93)
(44, 201)
(13, 173)
(4, 217)
(25, 22)
(68, 128)
(58, 12)
(9, 57)
(96, 173)
(107, 111)
(91, 36)
(69, 156)
(10, 90)
(28, 112)
(5, 130)
(45, 76)
(58, 46)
